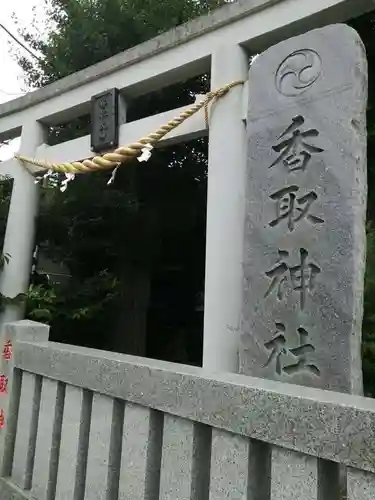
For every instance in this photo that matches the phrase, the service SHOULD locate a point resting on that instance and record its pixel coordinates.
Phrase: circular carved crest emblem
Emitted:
(298, 72)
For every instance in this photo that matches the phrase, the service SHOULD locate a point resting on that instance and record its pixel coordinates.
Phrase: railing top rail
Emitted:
(325, 424)
(308, 14)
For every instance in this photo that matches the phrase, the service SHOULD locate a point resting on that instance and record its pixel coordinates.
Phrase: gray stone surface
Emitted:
(141, 453)
(24, 450)
(9, 401)
(303, 419)
(104, 452)
(361, 485)
(229, 466)
(176, 474)
(73, 444)
(304, 255)
(48, 440)
(8, 433)
(26, 330)
(293, 476)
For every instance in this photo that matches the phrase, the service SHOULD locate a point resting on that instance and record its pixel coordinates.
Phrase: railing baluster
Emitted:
(240, 468)
(48, 440)
(141, 453)
(294, 476)
(185, 460)
(27, 425)
(229, 466)
(361, 485)
(104, 453)
(74, 444)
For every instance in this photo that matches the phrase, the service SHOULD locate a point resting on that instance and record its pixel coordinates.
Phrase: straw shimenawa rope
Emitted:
(126, 153)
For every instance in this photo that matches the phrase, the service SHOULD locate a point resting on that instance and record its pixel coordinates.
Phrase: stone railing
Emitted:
(83, 423)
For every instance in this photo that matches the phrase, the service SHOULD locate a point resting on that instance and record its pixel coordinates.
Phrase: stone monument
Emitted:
(304, 255)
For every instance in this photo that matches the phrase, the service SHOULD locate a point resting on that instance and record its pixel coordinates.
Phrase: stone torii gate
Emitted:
(247, 27)
(284, 280)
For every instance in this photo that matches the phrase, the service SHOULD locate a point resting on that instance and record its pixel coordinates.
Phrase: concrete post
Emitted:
(20, 230)
(13, 412)
(225, 214)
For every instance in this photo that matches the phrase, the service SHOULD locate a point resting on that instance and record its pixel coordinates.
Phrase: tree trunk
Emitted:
(129, 333)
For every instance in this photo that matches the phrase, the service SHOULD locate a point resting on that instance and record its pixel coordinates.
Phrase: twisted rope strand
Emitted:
(133, 150)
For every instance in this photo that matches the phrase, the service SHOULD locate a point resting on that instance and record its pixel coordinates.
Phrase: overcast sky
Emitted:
(12, 84)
